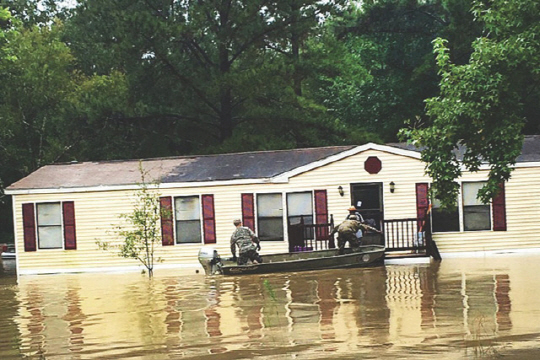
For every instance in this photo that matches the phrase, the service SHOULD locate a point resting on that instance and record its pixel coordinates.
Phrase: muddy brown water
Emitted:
(461, 308)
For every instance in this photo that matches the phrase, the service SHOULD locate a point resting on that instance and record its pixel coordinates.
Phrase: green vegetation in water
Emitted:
(483, 344)
(269, 289)
(271, 312)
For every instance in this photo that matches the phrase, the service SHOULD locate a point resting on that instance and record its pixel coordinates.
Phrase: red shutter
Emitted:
(167, 230)
(499, 211)
(29, 226)
(321, 207)
(248, 211)
(70, 239)
(422, 203)
(209, 219)
(321, 213)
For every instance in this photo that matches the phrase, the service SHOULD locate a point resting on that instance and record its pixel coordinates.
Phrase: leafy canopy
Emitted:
(481, 103)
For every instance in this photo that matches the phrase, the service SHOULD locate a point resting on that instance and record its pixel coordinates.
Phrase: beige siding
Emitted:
(97, 213)
(405, 172)
(522, 218)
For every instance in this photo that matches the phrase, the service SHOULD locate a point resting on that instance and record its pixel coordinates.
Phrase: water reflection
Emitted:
(458, 308)
(7, 267)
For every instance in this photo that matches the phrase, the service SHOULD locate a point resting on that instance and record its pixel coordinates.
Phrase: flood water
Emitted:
(464, 308)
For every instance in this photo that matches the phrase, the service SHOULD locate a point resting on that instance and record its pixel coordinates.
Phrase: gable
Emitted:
(346, 154)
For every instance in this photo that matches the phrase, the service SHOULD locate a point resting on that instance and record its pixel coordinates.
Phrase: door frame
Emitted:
(379, 212)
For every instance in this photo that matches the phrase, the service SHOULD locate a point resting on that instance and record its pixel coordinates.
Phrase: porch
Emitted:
(403, 238)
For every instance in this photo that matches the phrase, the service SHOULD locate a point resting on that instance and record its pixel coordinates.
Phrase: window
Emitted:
(300, 206)
(49, 226)
(476, 215)
(270, 217)
(188, 219)
(444, 220)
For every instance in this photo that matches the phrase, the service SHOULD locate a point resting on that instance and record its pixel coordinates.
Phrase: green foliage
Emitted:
(94, 123)
(142, 233)
(44, 100)
(481, 103)
(8, 30)
(391, 40)
(36, 12)
(29, 91)
(202, 73)
(38, 83)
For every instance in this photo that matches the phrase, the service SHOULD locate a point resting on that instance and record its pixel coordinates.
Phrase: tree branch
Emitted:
(186, 81)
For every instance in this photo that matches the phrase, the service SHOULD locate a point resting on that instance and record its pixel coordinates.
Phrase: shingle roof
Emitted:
(530, 151)
(185, 169)
(252, 165)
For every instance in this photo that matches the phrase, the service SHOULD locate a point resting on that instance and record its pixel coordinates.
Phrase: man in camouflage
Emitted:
(247, 242)
(347, 232)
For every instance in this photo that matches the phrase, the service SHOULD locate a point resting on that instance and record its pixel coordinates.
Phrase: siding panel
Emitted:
(98, 213)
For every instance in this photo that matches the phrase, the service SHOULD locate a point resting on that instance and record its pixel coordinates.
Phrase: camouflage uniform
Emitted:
(246, 240)
(347, 233)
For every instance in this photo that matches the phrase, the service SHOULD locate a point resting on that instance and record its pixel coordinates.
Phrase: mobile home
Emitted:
(61, 210)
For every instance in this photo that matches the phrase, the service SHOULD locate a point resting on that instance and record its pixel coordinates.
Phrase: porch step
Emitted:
(404, 254)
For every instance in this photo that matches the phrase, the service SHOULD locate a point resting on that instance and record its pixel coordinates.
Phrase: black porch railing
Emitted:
(304, 236)
(404, 234)
(400, 235)
(410, 235)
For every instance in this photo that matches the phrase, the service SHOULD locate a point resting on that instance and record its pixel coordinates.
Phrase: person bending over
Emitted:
(347, 232)
(248, 244)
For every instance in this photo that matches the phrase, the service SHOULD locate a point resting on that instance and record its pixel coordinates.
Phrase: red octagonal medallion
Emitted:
(373, 165)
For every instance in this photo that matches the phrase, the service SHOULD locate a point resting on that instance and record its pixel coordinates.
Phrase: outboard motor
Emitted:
(210, 260)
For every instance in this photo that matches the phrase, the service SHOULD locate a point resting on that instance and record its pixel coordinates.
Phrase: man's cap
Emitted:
(352, 208)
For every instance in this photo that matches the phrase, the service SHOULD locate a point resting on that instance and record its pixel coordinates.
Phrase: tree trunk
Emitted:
(225, 115)
(295, 48)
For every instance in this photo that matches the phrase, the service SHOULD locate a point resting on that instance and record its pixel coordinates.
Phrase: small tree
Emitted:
(140, 238)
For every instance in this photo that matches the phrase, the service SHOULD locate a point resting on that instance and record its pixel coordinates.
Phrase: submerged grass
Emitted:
(483, 344)
(271, 311)
(270, 290)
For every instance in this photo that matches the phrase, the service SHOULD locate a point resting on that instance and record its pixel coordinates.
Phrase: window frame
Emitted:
(312, 206)
(468, 207)
(60, 226)
(458, 218)
(460, 203)
(284, 211)
(308, 219)
(258, 217)
(176, 221)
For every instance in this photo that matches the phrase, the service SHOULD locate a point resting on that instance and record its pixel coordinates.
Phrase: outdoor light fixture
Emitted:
(340, 190)
(392, 187)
